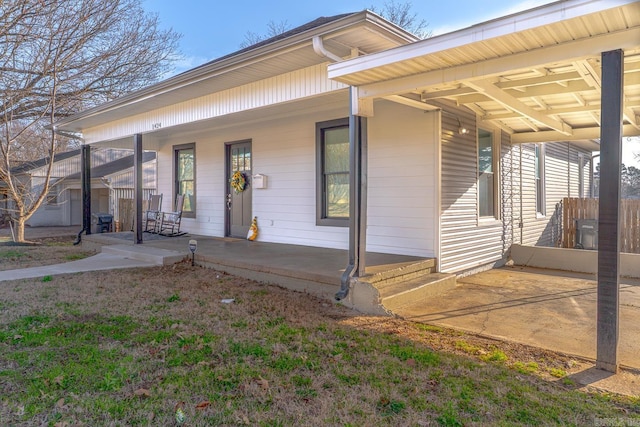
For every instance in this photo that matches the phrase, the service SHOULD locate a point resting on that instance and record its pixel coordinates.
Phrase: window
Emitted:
(185, 174)
(487, 176)
(52, 196)
(332, 145)
(539, 174)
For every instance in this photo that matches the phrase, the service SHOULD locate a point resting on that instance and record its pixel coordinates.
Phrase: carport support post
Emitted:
(85, 182)
(609, 212)
(137, 177)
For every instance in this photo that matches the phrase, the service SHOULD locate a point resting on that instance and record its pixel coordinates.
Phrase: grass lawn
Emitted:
(43, 251)
(159, 347)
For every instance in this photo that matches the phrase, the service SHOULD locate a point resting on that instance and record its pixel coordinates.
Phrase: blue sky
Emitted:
(212, 28)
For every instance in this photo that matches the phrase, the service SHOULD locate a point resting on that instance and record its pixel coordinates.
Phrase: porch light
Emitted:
(193, 246)
(461, 129)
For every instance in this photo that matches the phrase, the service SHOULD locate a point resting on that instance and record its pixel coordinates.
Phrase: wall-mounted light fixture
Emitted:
(461, 129)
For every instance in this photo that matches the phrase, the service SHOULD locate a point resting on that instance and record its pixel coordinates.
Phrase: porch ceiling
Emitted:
(536, 74)
(156, 139)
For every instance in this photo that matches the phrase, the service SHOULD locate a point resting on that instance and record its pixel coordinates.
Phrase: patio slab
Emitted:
(542, 308)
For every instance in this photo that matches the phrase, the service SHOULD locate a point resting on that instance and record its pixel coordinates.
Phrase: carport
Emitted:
(539, 76)
(550, 309)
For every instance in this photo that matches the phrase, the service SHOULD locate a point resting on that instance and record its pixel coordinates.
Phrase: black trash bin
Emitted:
(586, 234)
(103, 222)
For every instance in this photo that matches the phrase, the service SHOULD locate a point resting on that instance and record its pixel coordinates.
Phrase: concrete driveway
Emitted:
(543, 308)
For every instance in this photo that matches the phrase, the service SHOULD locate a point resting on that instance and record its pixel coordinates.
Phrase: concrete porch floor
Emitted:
(305, 268)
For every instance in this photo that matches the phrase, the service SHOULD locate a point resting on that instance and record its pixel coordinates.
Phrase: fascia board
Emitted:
(533, 18)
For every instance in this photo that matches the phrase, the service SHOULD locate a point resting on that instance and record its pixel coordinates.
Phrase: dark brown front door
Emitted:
(238, 203)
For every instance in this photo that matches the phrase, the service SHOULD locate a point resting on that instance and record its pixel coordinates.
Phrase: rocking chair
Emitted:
(170, 221)
(151, 217)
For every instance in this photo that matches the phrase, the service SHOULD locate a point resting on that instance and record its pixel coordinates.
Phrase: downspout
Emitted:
(355, 177)
(85, 183)
(521, 223)
(318, 47)
(357, 203)
(85, 226)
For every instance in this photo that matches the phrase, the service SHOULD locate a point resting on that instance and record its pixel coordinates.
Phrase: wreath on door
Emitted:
(238, 182)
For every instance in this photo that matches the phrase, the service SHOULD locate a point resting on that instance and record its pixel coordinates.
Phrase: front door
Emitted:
(238, 179)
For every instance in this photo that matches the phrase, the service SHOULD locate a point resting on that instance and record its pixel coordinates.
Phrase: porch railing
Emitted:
(578, 208)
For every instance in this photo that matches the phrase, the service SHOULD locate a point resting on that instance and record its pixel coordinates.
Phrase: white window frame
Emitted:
(495, 153)
(539, 180)
(176, 182)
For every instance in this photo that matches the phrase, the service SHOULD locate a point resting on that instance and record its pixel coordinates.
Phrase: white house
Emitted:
(464, 143)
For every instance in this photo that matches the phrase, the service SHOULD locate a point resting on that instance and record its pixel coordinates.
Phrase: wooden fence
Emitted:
(575, 208)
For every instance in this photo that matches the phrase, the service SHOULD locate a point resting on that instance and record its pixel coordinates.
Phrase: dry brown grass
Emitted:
(161, 339)
(38, 252)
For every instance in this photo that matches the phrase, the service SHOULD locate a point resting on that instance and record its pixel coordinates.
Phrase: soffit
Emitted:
(539, 84)
(358, 33)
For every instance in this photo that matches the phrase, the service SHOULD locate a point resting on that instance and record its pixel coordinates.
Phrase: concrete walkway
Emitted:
(102, 261)
(111, 257)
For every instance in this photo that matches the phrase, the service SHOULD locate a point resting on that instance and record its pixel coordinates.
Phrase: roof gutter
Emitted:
(318, 47)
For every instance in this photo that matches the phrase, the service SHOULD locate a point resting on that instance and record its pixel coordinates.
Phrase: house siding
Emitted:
(402, 172)
(561, 176)
(401, 175)
(466, 240)
(72, 165)
(298, 84)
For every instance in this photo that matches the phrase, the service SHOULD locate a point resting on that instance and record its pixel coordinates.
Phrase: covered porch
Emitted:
(389, 279)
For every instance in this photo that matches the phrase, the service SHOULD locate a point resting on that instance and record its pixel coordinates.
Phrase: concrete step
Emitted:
(401, 273)
(146, 253)
(412, 291)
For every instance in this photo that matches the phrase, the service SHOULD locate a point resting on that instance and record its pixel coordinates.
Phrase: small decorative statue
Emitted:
(253, 229)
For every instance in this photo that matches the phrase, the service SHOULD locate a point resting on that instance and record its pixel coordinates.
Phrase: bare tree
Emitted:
(400, 13)
(58, 57)
(273, 29)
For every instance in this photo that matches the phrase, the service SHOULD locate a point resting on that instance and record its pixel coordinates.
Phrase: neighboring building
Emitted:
(472, 137)
(112, 179)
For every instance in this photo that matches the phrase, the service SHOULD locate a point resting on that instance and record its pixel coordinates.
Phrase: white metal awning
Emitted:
(534, 74)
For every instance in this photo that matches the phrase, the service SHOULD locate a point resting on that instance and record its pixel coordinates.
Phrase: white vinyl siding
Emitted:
(402, 180)
(561, 179)
(466, 242)
(401, 174)
(299, 84)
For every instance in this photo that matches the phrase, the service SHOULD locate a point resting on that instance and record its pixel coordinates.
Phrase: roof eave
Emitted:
(517, 22)
(207, 71)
